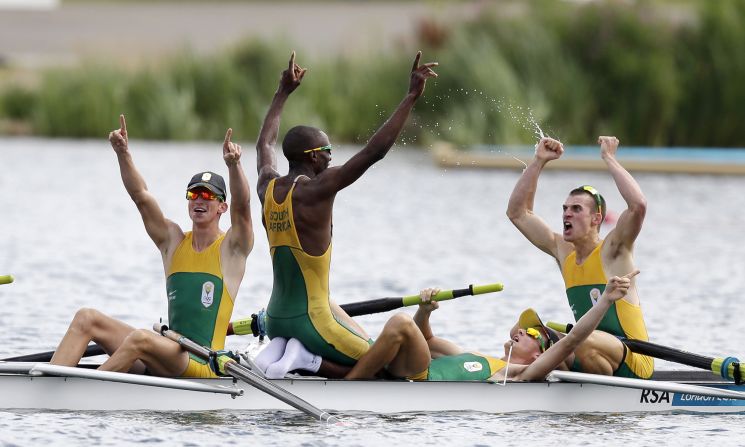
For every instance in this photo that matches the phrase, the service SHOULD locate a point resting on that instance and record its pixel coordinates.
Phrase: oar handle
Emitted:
(443, 295)
(564, 328)
(256, 324)
(6, 279)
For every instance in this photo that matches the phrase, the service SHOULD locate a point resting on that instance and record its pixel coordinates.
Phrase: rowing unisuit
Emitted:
(199, 305)
(299, 305)
(584, 285)
(466, 366)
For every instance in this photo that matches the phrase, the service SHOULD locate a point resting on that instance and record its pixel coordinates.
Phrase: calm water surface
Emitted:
(72, 238)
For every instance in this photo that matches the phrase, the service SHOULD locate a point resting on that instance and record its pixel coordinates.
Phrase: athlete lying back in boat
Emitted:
(528, 354)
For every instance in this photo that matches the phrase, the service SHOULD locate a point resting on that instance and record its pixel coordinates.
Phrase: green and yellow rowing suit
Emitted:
(466, 366)
(199, 304)
(299, 305)
(585, 284)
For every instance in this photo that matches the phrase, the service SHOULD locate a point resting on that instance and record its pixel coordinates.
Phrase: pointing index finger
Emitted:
(122, 123)
(228, 134)
(292, 62)
(632, 274)
(416, 60)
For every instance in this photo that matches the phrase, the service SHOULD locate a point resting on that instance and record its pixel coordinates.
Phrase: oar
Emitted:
(254, 325)
(6, 279)
(386, 304)
(729, 368)
(238, 371)
(90, 351)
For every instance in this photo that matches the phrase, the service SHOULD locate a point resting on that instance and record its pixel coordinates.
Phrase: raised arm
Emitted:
(240, 236)
(616, 289)
(630, 221)
(266, 160)
(438, 347)
(335, 179)
(156, 225)
(520, 207)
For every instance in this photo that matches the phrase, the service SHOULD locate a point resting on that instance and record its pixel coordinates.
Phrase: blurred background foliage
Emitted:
(579, 70)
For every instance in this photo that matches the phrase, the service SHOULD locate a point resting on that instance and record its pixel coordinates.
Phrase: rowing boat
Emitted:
(43, 386)
(28, 382)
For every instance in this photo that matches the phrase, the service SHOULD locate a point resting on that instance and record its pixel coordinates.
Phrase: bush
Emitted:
(17, 103)
(79, 103)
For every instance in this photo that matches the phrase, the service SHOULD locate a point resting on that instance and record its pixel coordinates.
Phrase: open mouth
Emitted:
(567, 225)
(200, 209)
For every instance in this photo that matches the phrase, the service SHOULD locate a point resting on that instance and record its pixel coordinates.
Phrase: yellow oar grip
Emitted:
(560, 327)
(456, 293)
(242, 326)
(716, 365)
(489, 288)
(412, 300)
(6, 279)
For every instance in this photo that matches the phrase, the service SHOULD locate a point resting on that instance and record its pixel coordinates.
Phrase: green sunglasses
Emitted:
(535, 333)
(598, 198)
(322, 148)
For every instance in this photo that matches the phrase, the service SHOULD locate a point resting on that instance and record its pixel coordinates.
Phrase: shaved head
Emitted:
(300, 139)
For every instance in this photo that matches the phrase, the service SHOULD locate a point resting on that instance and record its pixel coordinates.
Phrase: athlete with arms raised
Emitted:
(204, 268)
(585, 260)
(297, 215)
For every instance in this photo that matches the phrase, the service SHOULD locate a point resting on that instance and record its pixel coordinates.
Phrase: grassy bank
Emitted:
(579, 71)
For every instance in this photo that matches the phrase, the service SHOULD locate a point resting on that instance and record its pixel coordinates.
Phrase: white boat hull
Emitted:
(23, 391)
